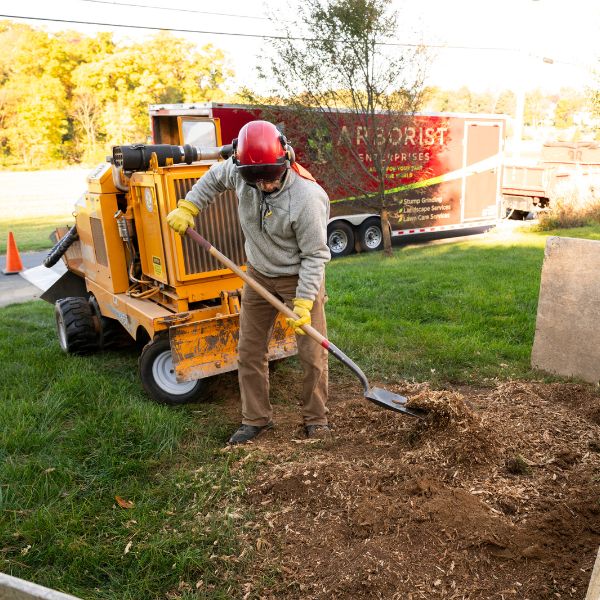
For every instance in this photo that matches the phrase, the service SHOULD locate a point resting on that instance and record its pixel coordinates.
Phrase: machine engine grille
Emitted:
(220, 225)
(99, 243)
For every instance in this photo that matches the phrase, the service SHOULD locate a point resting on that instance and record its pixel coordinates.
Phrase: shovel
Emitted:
(376, 395)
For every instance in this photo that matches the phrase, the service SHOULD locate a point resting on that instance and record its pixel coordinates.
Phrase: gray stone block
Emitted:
(567, 334)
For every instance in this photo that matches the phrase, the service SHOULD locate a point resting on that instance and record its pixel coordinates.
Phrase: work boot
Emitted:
(248, 432)
(318, 432)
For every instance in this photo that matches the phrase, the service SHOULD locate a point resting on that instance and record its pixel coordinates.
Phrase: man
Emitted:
(283, 213)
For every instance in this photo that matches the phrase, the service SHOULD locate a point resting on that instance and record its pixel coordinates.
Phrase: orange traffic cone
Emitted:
(13, 260)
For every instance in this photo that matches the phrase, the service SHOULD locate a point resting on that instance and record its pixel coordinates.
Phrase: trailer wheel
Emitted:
(340, 239)
(518, 215)
(370, 235)
(158, 375)
(75, 325)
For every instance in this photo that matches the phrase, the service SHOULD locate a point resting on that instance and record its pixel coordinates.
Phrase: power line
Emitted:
(217, 14)
(185, 10)
(252, 35)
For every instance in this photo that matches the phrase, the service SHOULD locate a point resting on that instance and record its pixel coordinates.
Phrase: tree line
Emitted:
(559, 110)
(67, 98)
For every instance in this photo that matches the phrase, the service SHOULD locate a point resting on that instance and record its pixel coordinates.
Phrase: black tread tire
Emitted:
(340, 239)
(112, 334)
(518, 215)
(366, 237)
(76, 325)
(155, 351)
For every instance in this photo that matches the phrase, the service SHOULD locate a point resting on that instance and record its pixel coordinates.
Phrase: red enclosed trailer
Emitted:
(444, 170)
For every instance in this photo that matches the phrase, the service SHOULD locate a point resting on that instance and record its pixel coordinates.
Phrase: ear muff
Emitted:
(234, 144)
(291, 155)
(289, 151)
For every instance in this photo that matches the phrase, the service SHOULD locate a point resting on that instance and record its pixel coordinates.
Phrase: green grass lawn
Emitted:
(456, 312)
(31, 233)
(75, 432)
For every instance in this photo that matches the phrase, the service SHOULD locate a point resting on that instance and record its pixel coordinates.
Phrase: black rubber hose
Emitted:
(61, 247)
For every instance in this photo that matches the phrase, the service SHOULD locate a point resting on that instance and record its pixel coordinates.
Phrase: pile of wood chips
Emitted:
(495, 494)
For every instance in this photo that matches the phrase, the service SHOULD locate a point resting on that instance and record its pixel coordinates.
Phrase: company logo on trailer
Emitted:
(397, 136)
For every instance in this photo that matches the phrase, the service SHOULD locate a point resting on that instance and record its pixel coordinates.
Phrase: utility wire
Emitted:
(252, 35)
(173, 9)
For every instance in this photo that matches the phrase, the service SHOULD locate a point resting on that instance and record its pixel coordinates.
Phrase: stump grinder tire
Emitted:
(370, 235)
(111, 335)
(340, 239)
(76, 327)
(157, 374)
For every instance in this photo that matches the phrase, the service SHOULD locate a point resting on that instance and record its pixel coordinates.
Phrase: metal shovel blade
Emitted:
(379, 396)
(392, 401)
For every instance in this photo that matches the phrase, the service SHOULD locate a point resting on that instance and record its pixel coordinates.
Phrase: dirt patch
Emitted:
(494, 495)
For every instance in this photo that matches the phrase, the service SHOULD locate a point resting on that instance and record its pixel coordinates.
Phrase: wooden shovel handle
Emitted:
(259, 289)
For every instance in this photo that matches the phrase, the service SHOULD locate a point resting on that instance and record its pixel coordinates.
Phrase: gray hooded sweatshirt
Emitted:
(286, 231)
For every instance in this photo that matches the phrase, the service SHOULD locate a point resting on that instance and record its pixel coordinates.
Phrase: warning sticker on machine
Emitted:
(158, 272)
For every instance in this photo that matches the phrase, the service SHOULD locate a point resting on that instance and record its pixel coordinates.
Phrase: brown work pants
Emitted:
(257, 318)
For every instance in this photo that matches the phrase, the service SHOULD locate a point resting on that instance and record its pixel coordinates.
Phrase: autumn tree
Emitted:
(85, 112)
(67, 96)
(537, 108)
(339, 67)
(569, 103)
(594, 95)
(34, 99)
(162, 69)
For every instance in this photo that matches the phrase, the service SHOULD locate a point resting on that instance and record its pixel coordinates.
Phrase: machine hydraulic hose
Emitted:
(137, 157)
(61, 247)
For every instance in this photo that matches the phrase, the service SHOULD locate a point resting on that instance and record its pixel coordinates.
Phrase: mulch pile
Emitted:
(495, 494)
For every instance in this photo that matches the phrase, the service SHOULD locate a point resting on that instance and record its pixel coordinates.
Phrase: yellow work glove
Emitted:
(183, 216)
(302, 308)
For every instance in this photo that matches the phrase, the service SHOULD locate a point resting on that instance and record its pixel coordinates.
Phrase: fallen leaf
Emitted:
(128, 547)
(261, 544)
(123, 503)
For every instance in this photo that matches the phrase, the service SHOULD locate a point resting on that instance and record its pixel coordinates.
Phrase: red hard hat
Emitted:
(261, 152)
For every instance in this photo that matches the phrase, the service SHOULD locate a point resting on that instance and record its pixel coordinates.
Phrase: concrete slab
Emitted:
(567, 334)
(593, 592)
(29, 284)
(13, 588)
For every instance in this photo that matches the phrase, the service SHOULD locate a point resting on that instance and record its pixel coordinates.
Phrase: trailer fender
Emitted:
(354, 220)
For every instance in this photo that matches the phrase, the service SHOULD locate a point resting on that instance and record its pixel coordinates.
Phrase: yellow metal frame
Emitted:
(203, 341)
(194, 287)
(206, 348)
(149, 226)
(203, 338)
(96, 226)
